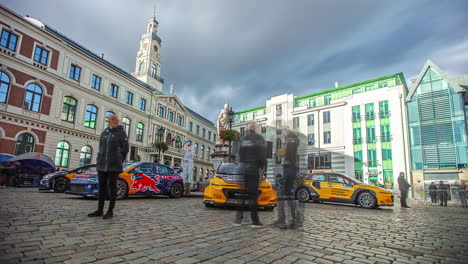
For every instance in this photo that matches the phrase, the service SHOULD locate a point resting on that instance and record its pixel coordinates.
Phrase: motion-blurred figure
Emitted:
(187, 169)
(252, 157)
(443, 190)
(404, 187)
(286, 184)
(462, 192)
(433, 192)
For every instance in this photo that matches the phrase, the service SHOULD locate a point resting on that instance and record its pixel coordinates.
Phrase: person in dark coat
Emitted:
(404, 187)
(252, 156)
(443, 191)
(462, 192)
(433, 192)
(113, 149)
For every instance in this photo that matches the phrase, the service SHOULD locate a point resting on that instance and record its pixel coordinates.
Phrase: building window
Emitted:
(355, 91)
(114, 90)
(171, 116)
(24, 144)
(141, 68)
(41, 55)
(372, 158)
(8, 40)
(242, 131)
(197, 130)
(62, 154)
(139, 132)
(85, 155)
(326, 137)
(129, 99)
(202, 152)
(279, 125)
(154, 70)
(96, 82)
(296, 122)
(312, 103)
(326, 117)
(319, 161)
(357, 136)
(264, 128)
(214, 138)
(142, 104)
(190, 126)
(370, 87)
(209, 135)
(208, 152)
(356, 114)
(169, 139)
(370, 115)
(108, 113)
(33, 97)
(161, 112)
(178, 143)
(384, 110)
(327, 99)
(203, 132)
(370, 135)
(180, 120)
(69, 109)
(311, 139)
(310, 120)
(386, 154)
(279, 110)
(385, 135)
(75, 72)
(91, 116)
(382, 85)
(126, 122)
(4, 87)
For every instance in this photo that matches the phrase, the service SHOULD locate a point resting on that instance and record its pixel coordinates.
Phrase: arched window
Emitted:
(141, 68)
(208, 152)
(24, 144)
(126, 122)
(62, 154)
(85, 155)
(108, 113)
(69, 109)
(202, 152)
(139, 132)
(91, 116)
(33, 97)
(4, 87)
(154, 70)
(169, 139)
(195, 151)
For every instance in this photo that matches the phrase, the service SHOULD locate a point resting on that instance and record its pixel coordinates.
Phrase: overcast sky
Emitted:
(247, 51)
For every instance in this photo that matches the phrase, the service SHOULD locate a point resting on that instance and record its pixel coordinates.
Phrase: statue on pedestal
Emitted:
(223, 120)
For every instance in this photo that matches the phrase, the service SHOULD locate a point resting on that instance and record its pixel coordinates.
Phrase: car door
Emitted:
(142, 179)
(340, 187)
(161, 173)
(319, 183)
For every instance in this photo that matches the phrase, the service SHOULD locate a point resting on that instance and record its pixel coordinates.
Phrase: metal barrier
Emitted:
(453, 197)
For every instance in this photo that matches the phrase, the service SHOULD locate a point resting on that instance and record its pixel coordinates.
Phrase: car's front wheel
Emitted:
(61, 184)
(176, 190)
(122, 189)
(302, 194)
(367, 200)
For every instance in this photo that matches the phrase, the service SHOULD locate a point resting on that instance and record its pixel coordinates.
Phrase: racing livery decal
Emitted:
(143, 183)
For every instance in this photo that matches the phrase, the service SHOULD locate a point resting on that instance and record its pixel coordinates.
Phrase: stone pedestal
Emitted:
(221, 154)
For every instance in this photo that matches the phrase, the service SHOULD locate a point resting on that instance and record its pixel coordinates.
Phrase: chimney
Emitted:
(336, 85)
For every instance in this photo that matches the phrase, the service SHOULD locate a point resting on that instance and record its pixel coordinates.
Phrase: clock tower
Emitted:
(148, 60)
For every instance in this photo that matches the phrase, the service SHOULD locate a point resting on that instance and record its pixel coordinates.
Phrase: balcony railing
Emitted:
(384, 114)
(357, 141)
(370, 116)
(371, 139)
(356, 118)
(386, 138)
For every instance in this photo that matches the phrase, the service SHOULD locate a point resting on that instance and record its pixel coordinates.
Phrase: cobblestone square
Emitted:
(38, 227)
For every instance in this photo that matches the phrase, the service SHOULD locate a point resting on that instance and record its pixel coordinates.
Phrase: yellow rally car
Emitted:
(339, 188)
(226, 187)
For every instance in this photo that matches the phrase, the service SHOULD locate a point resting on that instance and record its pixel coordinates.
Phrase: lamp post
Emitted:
(160, 134)
(230, 114)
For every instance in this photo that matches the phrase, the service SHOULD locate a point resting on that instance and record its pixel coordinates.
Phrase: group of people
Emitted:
(443, 192)
(252, 158)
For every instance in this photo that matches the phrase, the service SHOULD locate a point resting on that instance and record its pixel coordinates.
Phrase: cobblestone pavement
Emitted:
(53, 228)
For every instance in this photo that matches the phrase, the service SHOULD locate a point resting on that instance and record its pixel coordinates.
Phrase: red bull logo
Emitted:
(143, 183)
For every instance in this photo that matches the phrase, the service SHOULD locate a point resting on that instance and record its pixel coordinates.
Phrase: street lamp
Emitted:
(230, 114)
(160, 134)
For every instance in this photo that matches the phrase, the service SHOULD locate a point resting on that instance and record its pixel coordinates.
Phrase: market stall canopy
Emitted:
(36, 160)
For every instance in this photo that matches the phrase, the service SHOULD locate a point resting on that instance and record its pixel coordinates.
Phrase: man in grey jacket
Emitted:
(113, 149)
(404, 187)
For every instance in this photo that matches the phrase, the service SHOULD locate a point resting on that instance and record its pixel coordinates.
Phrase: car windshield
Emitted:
(128, 165)
(353, 179)
(229, 169)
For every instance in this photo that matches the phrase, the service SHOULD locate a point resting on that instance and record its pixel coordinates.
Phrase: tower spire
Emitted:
(154, 11)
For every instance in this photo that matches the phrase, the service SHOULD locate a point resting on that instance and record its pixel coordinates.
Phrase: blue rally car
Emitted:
(145, 178)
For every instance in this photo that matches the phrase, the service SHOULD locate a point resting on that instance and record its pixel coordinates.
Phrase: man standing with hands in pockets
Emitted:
(113, 149)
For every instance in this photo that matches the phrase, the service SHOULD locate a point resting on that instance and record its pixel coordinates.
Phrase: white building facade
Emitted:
(55, 96)
(358, 129)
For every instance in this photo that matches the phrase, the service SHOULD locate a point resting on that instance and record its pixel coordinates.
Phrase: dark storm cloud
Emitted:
(247, 51)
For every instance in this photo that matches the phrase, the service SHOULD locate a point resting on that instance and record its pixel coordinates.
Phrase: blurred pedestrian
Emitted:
(443, 190)
(433, 192)
(252, 158)
(286, 184)
(113, 149)
(463, 193)
(187, 169)
(404, 187)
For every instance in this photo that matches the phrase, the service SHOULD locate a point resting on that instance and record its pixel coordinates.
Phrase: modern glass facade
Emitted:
(437, 125)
